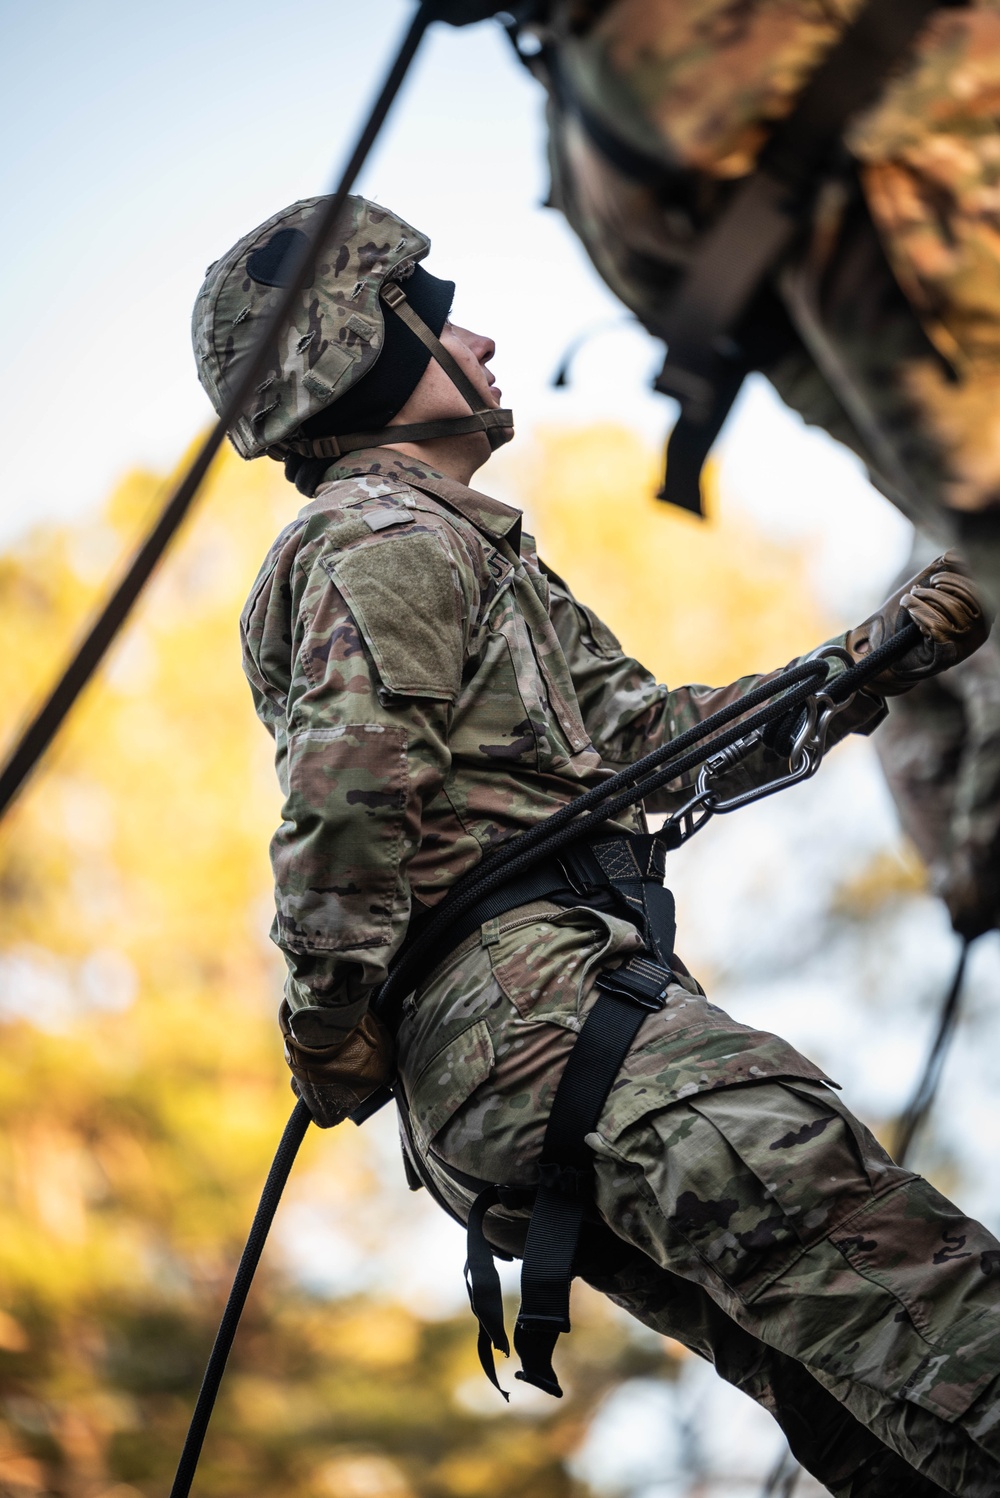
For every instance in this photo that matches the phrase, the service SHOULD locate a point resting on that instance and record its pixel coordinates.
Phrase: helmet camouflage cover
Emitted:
(335, 331)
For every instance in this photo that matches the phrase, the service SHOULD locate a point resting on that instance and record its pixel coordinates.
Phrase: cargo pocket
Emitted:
(771, 1173)
(448, 1080)
(937, 1264)
(545, 956)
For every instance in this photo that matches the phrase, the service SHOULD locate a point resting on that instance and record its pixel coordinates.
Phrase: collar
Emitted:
(488, 515)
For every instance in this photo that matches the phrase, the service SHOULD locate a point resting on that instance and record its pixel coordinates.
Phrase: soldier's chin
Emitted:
(504, 435)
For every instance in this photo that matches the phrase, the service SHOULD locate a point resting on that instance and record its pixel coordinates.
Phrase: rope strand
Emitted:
(922, 1099)
(277, 1176)
(49, 718)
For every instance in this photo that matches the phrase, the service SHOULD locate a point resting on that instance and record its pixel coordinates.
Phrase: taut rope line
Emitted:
(49, 718)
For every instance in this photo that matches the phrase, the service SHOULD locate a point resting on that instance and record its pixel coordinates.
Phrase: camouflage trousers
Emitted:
(760, 1224)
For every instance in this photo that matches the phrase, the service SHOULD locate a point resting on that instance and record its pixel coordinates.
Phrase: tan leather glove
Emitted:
(333, 1080)
(946, 607)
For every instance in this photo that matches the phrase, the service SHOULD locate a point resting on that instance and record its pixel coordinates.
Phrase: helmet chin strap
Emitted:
(496, 422)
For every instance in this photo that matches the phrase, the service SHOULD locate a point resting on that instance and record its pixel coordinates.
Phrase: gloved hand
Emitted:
(947, 608)
(334, 1079)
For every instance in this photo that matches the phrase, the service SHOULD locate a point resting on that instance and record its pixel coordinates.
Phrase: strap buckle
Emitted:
(643, 982)
(392, 293)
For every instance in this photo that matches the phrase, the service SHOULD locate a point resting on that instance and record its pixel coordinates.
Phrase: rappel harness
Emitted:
(570, 858)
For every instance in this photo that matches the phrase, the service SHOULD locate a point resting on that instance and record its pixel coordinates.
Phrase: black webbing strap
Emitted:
(704, 367)
(395, 297)
(564, 1194)
(634, 868)
(628, 868)
(624, 873)
(625, 998)
(490, 422)
(483, 1285)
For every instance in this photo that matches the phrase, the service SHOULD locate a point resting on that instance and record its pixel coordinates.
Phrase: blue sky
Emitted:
(142, 141)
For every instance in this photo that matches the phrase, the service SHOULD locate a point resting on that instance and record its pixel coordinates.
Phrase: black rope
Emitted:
(571, 822)
(924, 1093)
(50, 716)
(284, 1159)
(584, 814)
(783, 1477)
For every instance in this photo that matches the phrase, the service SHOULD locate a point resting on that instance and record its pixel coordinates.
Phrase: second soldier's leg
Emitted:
(798, 1226)
(825, 1438)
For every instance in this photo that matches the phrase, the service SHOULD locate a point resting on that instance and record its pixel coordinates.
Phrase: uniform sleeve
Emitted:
(361, 747)
(628, 713)
(972, 878)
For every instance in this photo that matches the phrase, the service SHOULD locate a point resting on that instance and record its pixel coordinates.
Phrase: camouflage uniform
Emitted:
(885, 326)
(431, 690)
(940, 751)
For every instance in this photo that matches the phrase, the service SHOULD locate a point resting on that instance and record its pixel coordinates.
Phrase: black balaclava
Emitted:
(388, 385)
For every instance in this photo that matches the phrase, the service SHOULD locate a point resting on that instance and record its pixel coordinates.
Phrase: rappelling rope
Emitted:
(50, 716)
(282, 1163)
(924, 1093)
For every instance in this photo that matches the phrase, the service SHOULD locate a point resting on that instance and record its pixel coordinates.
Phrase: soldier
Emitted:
(940, 751)
(432, 689)
(812, 191)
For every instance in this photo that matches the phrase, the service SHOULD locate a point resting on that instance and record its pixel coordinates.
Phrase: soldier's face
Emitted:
(474, 352)
(436, 396)
(456, 456)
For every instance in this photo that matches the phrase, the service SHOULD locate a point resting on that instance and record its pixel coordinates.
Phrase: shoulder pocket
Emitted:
(405, 599)
(595, 633)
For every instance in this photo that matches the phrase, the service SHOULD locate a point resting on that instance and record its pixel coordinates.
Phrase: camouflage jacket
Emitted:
(940, 751)
(698, 85)
(432, 689)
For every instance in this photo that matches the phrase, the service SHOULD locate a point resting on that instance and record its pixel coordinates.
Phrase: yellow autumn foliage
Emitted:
(142, 1089)
(694, 600)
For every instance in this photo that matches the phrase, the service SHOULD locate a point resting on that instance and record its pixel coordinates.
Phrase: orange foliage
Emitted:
(142, 1088)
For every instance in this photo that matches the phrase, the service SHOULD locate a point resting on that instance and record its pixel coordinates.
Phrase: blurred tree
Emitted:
(694, 600)
(141, 1084)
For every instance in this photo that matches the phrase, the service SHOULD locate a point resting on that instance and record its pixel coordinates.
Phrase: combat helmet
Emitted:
(333, 338)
